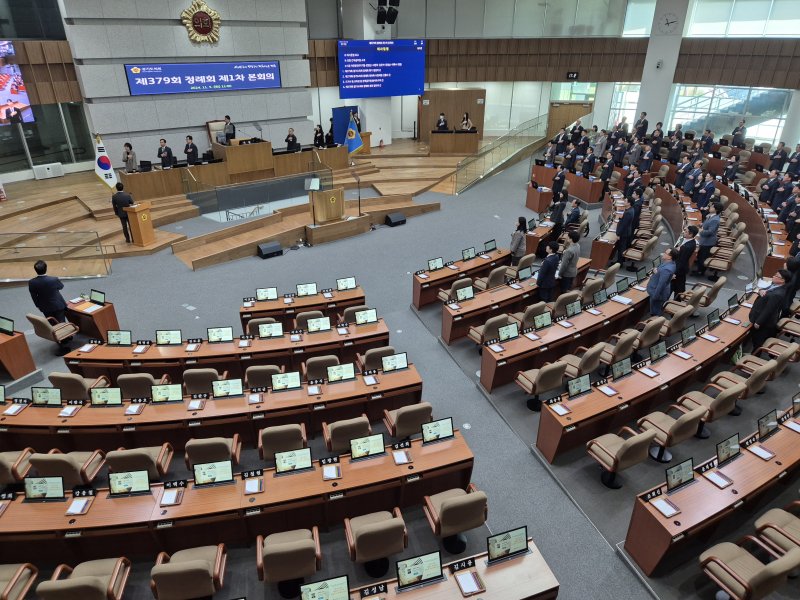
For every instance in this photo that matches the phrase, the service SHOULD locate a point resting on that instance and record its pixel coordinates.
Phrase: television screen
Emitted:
(336, 588)
(268, 330)
(346, 283)
(437, 430)
(506, 544)
(224, 388)
(130, 482)
(106, 396)
(6, 326)
(286, 381)
(220, 334)
(213, 473)
(367, 446)
(15, 107)
(394, 362)
(344, 372)
(168, 392)
(418, 570)
(185, 78)
(119, 337)
(293, 460)
(266, 293)
(43, 396)
(376, 68)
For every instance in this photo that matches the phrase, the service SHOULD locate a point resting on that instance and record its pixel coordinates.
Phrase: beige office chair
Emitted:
(407, 420)
(199, 381)
(624, 346)
(14, 465)
(453, 512)
(636, 254)
(670, 431)
(373, 537)
(753, 383)
(677, 323)
(75, 387)
(281, 438)
(748, 178)
(187, 574)
(480, 334)
(750, 362)
(301, 320)
(153, 459)
(524, 262)
(585, 360)
(615, 453)
(590, 288)
(559, 308)
(613, 180)
(743, 576)
(287, 557)
(259, 376)
(690, 298)
(76, 468)
(609, 275)
(790, 327)
(649, 332)
(538, 381)
(103, 579)
(138, 385)
(317, 366)
(774, 347)
(338, 434)
(349, 314)
(496, 278)
(717, 264)
(52, 330)
(663, 170)
(372, 359)
(526, 317)
(214, 449)
(16, 580)
(716, 406)
(253, 324)
(445, 295)
(779, 528)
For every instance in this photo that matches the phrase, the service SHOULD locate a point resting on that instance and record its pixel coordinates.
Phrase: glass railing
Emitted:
(585, 120)
(69, 254)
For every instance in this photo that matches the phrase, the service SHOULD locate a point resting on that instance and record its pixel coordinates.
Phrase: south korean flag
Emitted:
(102, 164)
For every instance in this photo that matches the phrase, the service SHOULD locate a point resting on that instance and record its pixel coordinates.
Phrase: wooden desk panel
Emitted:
(537, 200)
(286, 313)
(293, 163)
(454, 143)
(94, 324)
(245, 157)
(15, 356)
(149, 185)
(425, 291)
(580, 187)
(537, 237)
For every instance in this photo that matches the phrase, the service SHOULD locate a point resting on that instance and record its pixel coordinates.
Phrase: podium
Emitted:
(141, 223)
(538, 200)
(327, 205)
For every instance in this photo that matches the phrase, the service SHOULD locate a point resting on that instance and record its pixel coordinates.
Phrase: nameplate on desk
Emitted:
(252, 473)
(84, 492)
(401, 445)
(203, 396)
(674, 347)
(140, 400)
(247, 337)
(194, 341)
(326, 291)
(467, 563)
(647, 496)
(10, 496)
(552, 401)
(749, 441)
(413, 478)
(144, 342)
(192, 361)
(367, 372)
(72, 534)
(785, 416)
(21, 401)
(257, 416)
(316, 381)
(373, 590)
(329, 460)
(164, 524)
(318, 407)
(175, 484)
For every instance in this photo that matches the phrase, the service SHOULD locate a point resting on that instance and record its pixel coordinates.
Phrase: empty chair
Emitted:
(453, 512)
(723, 263)
(188, 574)
(480, 334)
(213, 449)
(407, 420)
(496, 277)
(559, 308)
(623, 348)
(718, 405)
(52, 330)
(538, 381)
(670, 431)
(103, 579)
(287, 557)
(616, 453)
(690, 298)
(259, 376)
(16, 580)
(301, 320)
(609, 275)
(662, 171)
(138, 385)
(741, 575)
(789, 327)
(636, 254)
(14, 466)
(750, 362)
(372, 359)
(774, 347)
(317, 366)
(76, 468)
(526, 317)
(253, 324)
(748, 178)
(199, 381)
(780, 528)
(590, 288)
(450, 294)
(372, 538)
(154, 459)
(677, 323)
(753, 383)
(338, 434)
(585, 360)
(649, 333)
(349, 314)
(75, 387)
(281, 438)
(524, 262)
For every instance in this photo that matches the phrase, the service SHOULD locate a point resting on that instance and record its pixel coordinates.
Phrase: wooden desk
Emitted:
(525, 578)
(173, 360)
(425, 290)
(657, 543)
(95, 324)
(286, 313)
(449, 142)
(537, 237)
(538, 200)
(580, 187)
(153, 184)
(15, 356)
(108, 428)
(223, 513)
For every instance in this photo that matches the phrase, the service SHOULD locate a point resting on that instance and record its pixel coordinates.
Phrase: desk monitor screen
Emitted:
(267, 293)
(768, 424)
(306, 289)
(796, 405)
(44, 489)
(680, 475)
(728, 449)
(43, 396)
(128, 483)
(97, 297)
(213, 473)
(2, 394)
(748, 289)
(507, 544)
(394, 362)
(119, 337)
(106, 396)
(363, 317)
(688, 335)
(286, 381)
(490, 246)
(623, 285)
(225, 388)
(6, 326)
(733, 303)
(532, 224)
(621, 368)
(436, 431)
(468, 253)
(579, 385)
(465, 293)
(167, 392)
(220, 334)
(293, 460)
(346, 283)
(573, 308)
(270, 330)
(336, 588)
(168, 337)
(658, 351)
(320, 324)
(418, 570)
(434, 264)
(600, 297)
(508, 332)
(367, 446)
(641, 275)
(343, 372)
(542, 320)
(713, 318)
(524, 274)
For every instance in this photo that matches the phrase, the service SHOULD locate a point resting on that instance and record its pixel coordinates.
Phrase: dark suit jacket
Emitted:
(656, 138)
(574, 216)
(730, 171)
(165, 154)
(557, 213)
(772, 184)
(684, 256)
(704, 194)
(547, 272)
(708, 143)
(625, 225)
(569, 159)
(119, 201)
(778, 158)
(766, 309)
(587, 167)
(561, 142)
(575, 134)
(558, 182)
(45, 293)
(191, 153)
(608, 169)
(647, 162)
(641, 128)
(794, 167)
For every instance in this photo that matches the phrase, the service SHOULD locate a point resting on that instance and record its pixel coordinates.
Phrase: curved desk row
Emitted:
(426, 285)
(285, 313)
(590, 191)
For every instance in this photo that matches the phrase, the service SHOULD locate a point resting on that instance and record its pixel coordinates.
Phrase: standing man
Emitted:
(640, 126)
(694, 178)
(778, 157)
(708, 237)
(731, 168)
(794, 162)
(46, 295)
(568, 269)
(230, 130)
(782, 192)
(646, 162)
(558, 180)
(708, 141)
(190, 150)
(441, 123)
(570, 157)
(683, 258)
(13, 113)
(119, 201)
(625, 231)
(587, 165)
(682, 170)
(291, 139)
(657, 137)
(550, 153)
(165, 154)
(659, 285)
(546, 279)
(606, 171)
(738, 135)
(576, 132)
(675, 149)
(557, 217)
(706, 192)
(766, 310)
(561, 141)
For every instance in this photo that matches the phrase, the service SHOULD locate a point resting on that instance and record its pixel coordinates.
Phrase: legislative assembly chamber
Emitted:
(416, 299)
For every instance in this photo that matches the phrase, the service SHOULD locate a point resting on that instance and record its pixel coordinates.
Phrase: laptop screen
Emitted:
(542, 320)
(641, 275)
(713, 318)
(418, 570)
(508, 332)
(270, 330)
(621, 368)
(319, 324)
(168, 337)
(733, 302)
(130, 482)
(465, 293)
(394, 362)
(579, 385)
(286, 381)
(168, 392)
(658, 350)
(623, 285)
(293, 460)
(43, 396)
(44, 488)
(106, 396)
(768, 424)
(369, 315)
(468, 253)
(728, 449)
(97, 297)
(507, 544)
(688, 335)
(6, 326)
(489, 246)
(270, 293)
(343, 372)
(225, 388)
(220, 334)
(213, 473)
(434, 264)
(371, 445)
(600, 297)
(680, 475)
(335, 588)
(306, 289)
(573, 308)
(118, 337)
(437, 430)
(524, 273)
(346, 283)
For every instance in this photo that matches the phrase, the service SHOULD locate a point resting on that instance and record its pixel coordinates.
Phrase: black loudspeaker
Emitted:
(391, 15)
(269, 250)
(395, 219)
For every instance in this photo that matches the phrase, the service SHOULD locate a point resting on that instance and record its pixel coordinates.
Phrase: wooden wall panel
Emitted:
(48, 71)
(453, 103)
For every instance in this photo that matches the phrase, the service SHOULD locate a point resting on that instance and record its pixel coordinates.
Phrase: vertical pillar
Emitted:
(602, 104)
(791, 130)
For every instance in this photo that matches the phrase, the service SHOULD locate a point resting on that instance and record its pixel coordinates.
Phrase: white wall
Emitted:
(602, 104)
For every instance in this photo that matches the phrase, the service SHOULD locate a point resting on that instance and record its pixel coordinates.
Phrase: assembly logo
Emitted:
(202, 22)
(351, 134)
(135, 70)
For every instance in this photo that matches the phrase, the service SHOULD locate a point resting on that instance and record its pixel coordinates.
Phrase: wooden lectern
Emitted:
(327, 205)
(141, 223)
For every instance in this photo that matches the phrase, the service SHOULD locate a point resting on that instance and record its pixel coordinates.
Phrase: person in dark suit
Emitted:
(788, 208)
(682, 170)
(625, 231)
(707, 140)
(329, 135)
(190, 150)
(46, 295)
(291, 140)
(119, 201)
(778, 157)
(675, 149)
(576, 132)
(574, 216)
(637, 202)
(685, 251)
(708, 237)
(739, 132)
(657, 136)
(731, 168)
(640, 127)
(767, 308)
(794, 162)
(693, 178)
(705, 192)
(619, 151)
(768, 187)
(441, 123)
(546, 279)
(319, 137)
(583, 144)
(165, 154)
(782, 192)
(646, 162)
(793, 266)
(660, 283)
(557, 217)
(558, 180)
(606, 171)
(550, 153)
(678, 133)
(633, 182)
(561, 140)
(570, 157)
(587, 166)
(13, 113)
(616, 135)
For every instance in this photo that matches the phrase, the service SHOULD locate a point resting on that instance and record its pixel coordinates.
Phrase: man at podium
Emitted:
(119, 201)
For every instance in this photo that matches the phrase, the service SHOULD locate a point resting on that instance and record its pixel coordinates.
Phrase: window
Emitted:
(744, 18)
(639, 18)
(624, 99)
(574, 91)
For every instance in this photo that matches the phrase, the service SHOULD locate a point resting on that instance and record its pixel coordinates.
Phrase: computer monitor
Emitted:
(490, 246)
(434, 264)
(336, 588)
(168, 337)
(657, 262)
(713, 318)
(270, 330)
(346, 283)
(436, 431)
(507, 544)
(688, 335)
(621, 368)
(146, 165)
(524, 273)
(319, 324)
(768, 424)
(532, 224)
(641, 275)
(97, 297)
(286, 381)
(306, 289)
(365, 447)
(680, 475)
(128, 483)
(733, 302)
(6, 326)
(468, 253)
(168, 392)
(270, 293)
(658, 351)
(293, 460)
(105, 396)
(623, 285)
(749, 288)
(419, 570)
(542, 320)
(394, 362)
(728, 449)
(213, 473)
(578, 386)
(508, 332)
(343, 372)
(226, 388)
(117, 337)
(796, 405)
(44, 489)
(465, 293)
(369, 315)
(217, 335)
(43, 396)
(574, 308)
(600, 297)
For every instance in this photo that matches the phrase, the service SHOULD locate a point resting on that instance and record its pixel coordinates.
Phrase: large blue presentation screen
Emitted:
(183, 78)
(372, 68)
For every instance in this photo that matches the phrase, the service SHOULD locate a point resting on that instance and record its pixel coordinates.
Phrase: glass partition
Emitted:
(69, 254)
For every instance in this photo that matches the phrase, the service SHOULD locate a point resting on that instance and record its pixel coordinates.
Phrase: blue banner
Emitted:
(184, 78)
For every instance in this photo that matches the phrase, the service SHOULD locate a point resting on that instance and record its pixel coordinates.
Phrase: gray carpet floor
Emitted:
(573, 519)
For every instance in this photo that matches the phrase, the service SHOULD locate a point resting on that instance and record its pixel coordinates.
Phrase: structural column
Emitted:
(791, 130)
